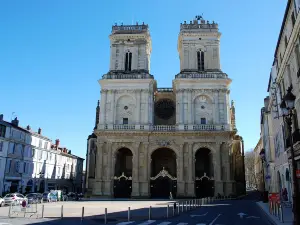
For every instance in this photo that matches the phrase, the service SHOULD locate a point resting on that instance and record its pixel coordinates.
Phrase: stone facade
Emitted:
(184, 134)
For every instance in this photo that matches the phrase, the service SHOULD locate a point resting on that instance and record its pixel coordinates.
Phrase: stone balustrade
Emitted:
(166, 128)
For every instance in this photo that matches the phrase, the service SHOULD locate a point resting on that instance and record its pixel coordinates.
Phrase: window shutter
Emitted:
(7, 168)
(11, 148)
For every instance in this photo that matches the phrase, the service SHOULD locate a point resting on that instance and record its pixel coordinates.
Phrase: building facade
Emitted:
(157, 142)
(285, 73)
(14, 140)
(258, 165)
(29, 162)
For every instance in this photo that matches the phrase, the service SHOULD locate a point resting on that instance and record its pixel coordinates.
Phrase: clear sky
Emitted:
(53, 52)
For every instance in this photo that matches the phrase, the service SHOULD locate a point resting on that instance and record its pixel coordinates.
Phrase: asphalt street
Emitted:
(228, 212)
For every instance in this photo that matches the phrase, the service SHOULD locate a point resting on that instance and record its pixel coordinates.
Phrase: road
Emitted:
(228, 212)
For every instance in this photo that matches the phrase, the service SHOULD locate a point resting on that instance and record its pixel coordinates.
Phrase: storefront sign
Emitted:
(298, 173)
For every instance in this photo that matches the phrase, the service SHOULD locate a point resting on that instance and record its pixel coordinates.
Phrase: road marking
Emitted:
(201, 224)
(182, 223)
(125, 223)
(199, 215)
(254, 217)
(147, 222)
(212, 222)
(164, 223)
(241, 215)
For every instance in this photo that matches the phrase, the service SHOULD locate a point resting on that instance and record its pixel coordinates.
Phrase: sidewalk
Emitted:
(287, 214)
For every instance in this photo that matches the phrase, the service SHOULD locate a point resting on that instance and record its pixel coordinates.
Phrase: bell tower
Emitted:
(127, 88)
(130, 48)
(199, 46)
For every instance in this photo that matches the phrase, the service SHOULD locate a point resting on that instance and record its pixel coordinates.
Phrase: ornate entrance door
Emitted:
(163, 185)
(204, 187)
(122, 186)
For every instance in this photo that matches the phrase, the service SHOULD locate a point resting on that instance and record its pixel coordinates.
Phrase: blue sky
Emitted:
(53, 52)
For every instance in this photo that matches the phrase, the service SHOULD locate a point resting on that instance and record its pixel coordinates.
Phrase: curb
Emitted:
(270, 218)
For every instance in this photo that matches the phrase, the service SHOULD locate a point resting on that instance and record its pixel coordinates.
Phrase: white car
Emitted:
(10, 198)
(1, 202)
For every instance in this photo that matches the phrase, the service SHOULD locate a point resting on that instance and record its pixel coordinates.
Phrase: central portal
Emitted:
(163, 181)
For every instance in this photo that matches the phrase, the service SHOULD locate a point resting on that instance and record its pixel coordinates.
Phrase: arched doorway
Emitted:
(163, 179)
(123, 173)
(204, 182)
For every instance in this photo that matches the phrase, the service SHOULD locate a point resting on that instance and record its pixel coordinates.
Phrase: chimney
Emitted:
(28, 127)
(15, 121)
(57, 143)
(39, 131)
(1, 117)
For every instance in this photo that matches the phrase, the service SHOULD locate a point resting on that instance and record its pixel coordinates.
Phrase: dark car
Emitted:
(34, 198)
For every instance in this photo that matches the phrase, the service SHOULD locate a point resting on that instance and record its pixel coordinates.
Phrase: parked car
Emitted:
(9, 198)
(34, 198)
(1, 202)
(49, 197)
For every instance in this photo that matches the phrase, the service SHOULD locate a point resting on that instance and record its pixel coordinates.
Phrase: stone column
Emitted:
(191, 183)
(182, 107)
(180, 180)
(135, 171)
(217, 169)
(103, 106)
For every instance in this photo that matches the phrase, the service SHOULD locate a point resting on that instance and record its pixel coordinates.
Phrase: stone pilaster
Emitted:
(135, 171)
(217, 169)
(97, 189)
(190, 108)
(138, 107)
(108, 183)
(180, 181)
(144, 183)
(103, 106)
(191, 183)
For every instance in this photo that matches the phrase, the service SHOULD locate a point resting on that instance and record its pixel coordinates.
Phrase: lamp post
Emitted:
(287, 105)
(263, 159)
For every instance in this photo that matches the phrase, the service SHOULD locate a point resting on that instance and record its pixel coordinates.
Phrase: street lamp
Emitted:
(263, 159)
(287, 105)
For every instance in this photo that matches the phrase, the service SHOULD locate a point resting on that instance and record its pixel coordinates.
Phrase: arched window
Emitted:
(200, 60)
(128, 60)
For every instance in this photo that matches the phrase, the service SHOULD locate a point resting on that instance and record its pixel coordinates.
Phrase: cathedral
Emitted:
(151, 142)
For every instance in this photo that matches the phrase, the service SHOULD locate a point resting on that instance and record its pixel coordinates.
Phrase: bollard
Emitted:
(105, 216)
(186, 206)
(178, 208)
(42, 211)
(128, 214)
(9, 210)
(82, 213)
(182, 206)
(150, 213)
(62, 212)
(173, 209)
(168, 211)
(281, 213)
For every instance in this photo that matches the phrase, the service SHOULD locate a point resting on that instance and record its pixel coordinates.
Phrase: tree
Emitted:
(251, 178)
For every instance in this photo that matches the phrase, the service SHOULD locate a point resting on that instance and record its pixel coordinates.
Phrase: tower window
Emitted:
(128, 60)
(200, 60)
(125, 120)
(203, 120)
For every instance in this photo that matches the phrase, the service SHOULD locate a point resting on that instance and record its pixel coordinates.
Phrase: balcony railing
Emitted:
(166, 128)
